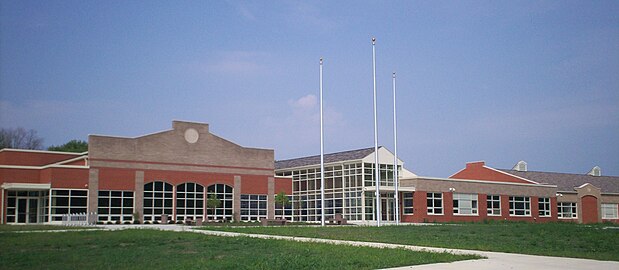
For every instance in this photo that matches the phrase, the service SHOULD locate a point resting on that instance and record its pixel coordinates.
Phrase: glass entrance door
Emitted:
(387, 208)
(33, 213)
(27, 210)
(22, 210)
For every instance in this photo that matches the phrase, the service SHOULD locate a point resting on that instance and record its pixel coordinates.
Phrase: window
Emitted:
(435, 203)
(287, 210)
(65, 201)
(609, 211)
(544, 207)
(189, 201)
(253, 207)
(158, 200)
(224, 194)
(464, 204)
(115, 205)
(343, 191)
(493, 204)
(567, 210)
(407, 197)
(519, 206)
(27, 206)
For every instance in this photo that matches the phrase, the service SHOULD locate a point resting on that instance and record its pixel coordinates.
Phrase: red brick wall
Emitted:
(254, 184)
(178, 177)
(116, 179)
(477, 171)
(589, 209)
(124, 179)
(32, 158)
(19, 176)
(66, 178)
(283, 184)
(420, 210)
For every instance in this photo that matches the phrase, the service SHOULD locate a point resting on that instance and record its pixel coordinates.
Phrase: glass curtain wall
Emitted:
(344, 194)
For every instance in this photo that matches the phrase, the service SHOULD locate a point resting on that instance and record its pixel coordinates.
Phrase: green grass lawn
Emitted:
(551, 239)
(152, 249)
(13, 228)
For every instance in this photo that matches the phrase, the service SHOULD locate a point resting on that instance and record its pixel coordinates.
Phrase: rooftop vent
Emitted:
(596, 171)
(521, 166)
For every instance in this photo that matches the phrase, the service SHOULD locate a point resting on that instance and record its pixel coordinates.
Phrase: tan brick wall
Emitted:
(236, 205)
(139, 194)
(171, 147)
(93, 190)
(607, 198)
(271, 198)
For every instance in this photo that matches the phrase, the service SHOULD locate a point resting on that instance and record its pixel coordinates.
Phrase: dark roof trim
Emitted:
(566, 182)
(329, 158)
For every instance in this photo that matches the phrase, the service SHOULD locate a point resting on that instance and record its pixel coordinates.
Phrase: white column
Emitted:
(2, 207)
(49, 207)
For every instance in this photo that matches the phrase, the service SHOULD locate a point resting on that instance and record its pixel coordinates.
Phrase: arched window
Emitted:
(158, 198)
(189, 201)
(224, 194)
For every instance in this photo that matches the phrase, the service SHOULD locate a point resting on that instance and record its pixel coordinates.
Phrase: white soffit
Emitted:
(26, 186)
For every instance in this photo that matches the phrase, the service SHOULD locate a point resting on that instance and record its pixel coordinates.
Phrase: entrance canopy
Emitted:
(25, 186)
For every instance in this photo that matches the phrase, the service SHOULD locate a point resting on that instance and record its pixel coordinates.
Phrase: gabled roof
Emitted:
(567, 181)
(329, 158)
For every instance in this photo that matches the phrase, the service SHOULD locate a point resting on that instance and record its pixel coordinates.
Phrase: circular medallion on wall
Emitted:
(191, 135)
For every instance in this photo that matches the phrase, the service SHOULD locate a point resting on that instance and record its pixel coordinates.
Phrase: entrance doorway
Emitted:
(387, 207)
(27, 210)
(25, 207)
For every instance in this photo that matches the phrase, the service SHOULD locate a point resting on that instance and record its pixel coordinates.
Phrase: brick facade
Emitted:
(188, 153)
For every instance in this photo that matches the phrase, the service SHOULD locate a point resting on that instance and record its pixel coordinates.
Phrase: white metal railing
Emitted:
(80, 219)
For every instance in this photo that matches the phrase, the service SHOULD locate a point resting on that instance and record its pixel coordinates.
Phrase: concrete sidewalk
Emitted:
(495, 260)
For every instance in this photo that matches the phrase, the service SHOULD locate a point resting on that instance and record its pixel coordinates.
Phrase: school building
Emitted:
(170, 172)
(174, 172)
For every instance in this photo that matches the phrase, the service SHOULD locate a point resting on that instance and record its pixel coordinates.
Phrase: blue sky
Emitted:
(499, 81)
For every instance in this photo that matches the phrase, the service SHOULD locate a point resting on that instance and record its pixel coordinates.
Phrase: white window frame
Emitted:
(465, 204)
(166, 198)
(225, 194)
(71, 209)
(288, 209)
(185, 197)
(567, 210)
(490, 209)
(12, 199)
(610, 211)
(107, 215)
(432, 207)
(253, 207)
(546, 202)
(515, 201)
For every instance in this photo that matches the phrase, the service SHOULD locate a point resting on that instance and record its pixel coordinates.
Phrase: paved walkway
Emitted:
(495, 260)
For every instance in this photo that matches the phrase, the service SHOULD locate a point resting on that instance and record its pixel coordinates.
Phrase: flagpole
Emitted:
(322, 158)
(395, 160)
(376, 165)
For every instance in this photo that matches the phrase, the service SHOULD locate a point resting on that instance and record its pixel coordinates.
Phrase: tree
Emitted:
(20, 138)
(75, 146)
(212, 203)
(282, 199)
